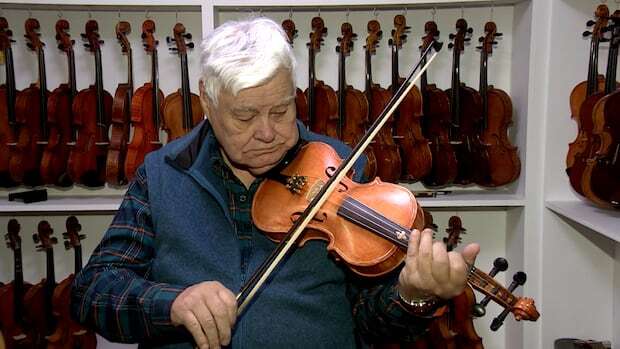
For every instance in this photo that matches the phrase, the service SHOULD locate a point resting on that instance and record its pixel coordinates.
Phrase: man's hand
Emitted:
(430, 270)
(208, 310)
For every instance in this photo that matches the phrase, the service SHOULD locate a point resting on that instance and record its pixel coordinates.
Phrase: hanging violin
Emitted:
(301, 103)
(60, 118)
(31, 115)
(504, 162)
(352, 104)
(8, 95)
(386, 151)
(17, 333)
(68, 333)
(437, 123)
(92, 108)
(121, 114)
(414, 149)
(146, 109)
(322, 100)
(591, 86)
(38, 300)
(466, 103)
(601, 177)
(182, 109)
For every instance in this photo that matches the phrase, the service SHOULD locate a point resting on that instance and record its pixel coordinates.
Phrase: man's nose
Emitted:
(265, 131)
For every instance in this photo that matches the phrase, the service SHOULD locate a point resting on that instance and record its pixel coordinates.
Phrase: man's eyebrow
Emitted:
(284, 102)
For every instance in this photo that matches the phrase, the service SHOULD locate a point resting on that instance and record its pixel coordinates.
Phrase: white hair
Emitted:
(243, 54)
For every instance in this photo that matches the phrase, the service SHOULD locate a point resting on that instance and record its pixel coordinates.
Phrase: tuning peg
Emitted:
(452, 36)
(407, 27)
(83, 35)
(173, 49)
(67, 245)
(590, 23)
(586, 33)
(499, 320)
(168, 39)
(499, 34)
(87, 45)
(54, 240)
(65, 235)
(403, 37)
(156, 42)
(190, 45)
(495, 42)
(35, 238)
(188, 36)
(72, 42)
(467, 39)
(450, 45)
(480, 39)
(101, 41)
(143, 35)
(30, 46)
(81, 236)
(13, 40)
(60, 47)
(470, 30)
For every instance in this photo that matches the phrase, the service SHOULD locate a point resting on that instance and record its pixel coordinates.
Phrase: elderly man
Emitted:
(183, 243)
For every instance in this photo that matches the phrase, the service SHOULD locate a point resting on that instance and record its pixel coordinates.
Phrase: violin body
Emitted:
(504, 162)
(601, 176)
(26, 155)
(119, 135)
(415, 151)
(471, 153)
(17, 334)
(173, 114)
(301, 104)
(56, 153)
(87, 160)
(146, 132)
(7, 136)
(444, 167)
(325, 119)
(35, 311)
(68, 333)
(314, 161)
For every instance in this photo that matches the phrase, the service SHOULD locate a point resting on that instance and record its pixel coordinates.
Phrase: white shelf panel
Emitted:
(357, 3)
(604, 222)
(64, 204)
(473, 199)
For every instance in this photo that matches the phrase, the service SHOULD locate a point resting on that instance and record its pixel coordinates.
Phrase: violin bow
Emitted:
(261, 275)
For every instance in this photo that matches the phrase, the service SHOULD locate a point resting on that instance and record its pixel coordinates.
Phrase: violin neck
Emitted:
(99, 88)
(155, 86)
(593, 67)
(423, 78)
(612, 68)
(342, 85)
(10, 86)
(484, 86)
(72, 77)
(50, 284)
(311, 80)
(368, 79)
(455, 92)
(78, 258)
(395, 73)
(18, 284)
(187, 103)
(130, 72)
(43, 92)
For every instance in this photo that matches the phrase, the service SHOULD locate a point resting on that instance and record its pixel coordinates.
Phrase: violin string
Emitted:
(345, 211)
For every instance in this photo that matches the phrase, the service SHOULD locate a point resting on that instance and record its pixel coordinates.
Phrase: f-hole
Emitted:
(329, 172)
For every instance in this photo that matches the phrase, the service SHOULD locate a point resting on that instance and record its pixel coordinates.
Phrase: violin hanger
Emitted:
(264, 271)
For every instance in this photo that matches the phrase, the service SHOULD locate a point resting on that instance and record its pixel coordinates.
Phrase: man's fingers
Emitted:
(194, 327)
(425, 256)
(207, 322)
(470, 252)
(414, 242)
(221, 317)
(230, 301)
(440, 263)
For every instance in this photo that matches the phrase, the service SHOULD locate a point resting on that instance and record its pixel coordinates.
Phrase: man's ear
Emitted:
(205, 102)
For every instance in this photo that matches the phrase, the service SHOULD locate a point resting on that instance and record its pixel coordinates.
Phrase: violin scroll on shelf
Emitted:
(8, 95)
(301, 102)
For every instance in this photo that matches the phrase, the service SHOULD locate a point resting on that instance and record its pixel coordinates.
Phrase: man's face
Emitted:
(257, 127)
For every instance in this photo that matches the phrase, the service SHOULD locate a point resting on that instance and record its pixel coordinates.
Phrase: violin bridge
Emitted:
(296, 183)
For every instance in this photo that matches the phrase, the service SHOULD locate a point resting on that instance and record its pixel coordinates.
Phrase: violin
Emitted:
(437, 123)
(17, 333)
(600, 180)
(414, 149)
(352, 103)
(8, 94)
(466, 103)
(591, 86)
(121, 114)
(586, 115)
(301, 103)
(367, 226)
(386, 151)
(182, 109)
(322, 100)
(38, 299)
(60, 118)
(504, 162)
(92, 108)
(146, 109)
(68, 333)
(33, 133)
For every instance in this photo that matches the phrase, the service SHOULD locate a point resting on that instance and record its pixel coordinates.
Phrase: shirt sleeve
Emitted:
(112, 293)
(377, 313)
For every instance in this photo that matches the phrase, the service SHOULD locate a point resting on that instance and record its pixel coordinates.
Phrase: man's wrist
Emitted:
(420, 305)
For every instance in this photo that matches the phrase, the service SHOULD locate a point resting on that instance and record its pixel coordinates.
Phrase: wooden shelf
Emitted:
(54, 5)
(602, 221)
(473, 199)
(353, 4)
(100, 204)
